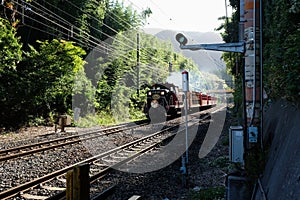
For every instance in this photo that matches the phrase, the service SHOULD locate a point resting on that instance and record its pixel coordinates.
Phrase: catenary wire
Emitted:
(98, 21)
(97, 42)
(105, 25)
(64, 29)
(61, 34)
(62, 20)
(97, 49)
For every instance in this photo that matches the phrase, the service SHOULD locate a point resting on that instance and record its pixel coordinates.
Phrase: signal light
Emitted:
(181, 39)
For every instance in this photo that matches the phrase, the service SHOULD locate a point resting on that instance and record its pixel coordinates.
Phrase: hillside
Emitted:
(208, 61)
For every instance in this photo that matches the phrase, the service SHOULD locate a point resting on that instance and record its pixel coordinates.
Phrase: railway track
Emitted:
(100, 165)
(15, 152)
(54, 183)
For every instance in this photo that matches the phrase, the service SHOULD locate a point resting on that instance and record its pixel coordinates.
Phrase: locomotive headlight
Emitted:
(162, 93)
(154, 104)
(149, 93)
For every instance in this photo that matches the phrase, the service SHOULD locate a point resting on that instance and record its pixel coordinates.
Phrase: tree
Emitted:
(119, 18)
(119, 75)
(42, 83)
(10, 56)
(10, 48)
(54, 68)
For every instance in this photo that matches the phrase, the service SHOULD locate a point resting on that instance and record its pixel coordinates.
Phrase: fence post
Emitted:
(69, 191)
(78, 184)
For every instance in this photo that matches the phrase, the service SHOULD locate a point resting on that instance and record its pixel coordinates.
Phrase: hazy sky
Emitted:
(183, 15)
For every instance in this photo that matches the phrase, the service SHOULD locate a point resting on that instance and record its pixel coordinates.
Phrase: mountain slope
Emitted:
(207, 61)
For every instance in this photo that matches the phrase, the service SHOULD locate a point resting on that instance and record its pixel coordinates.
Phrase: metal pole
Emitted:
(138, 63)
(226, 12)
(261, 71)
(185, 89)
(186, 127)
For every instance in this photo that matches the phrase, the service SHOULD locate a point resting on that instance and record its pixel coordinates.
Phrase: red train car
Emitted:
(167, 99)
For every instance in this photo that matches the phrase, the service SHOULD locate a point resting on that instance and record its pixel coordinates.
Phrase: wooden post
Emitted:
(63, 123)
(69, 191)
(78, 184)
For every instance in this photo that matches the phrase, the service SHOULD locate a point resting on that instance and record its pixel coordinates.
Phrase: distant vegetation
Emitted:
(60, 55)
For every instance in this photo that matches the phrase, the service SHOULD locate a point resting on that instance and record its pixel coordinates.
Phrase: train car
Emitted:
(166, 100)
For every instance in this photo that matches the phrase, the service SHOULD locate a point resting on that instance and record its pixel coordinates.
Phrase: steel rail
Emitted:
(138, 152)
(52, 146)
(25, 186)
(108, 169)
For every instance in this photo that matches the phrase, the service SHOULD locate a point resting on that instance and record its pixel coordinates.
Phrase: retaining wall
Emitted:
(281, 178)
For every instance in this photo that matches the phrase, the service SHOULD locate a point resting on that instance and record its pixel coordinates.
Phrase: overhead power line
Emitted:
(121, 42)
(66, 26)
(99, 22)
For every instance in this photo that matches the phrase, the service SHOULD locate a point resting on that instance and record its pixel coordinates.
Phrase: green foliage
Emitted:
(10, 48)
(215, 193)
(39, 84)
(234, 61)
(91, 120)
(281, 53)
(42, 83)
(119, 18)
(117, 86)
(90, 22)
(37, 121)
(146, 13)
(10, 56)
(230, 25)
(281, 50)
(106, 118)
(53, 69)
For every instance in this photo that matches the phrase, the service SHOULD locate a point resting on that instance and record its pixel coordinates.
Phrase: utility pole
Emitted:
(252, 72)
(246, 137)
(138, 63)
(249, 45)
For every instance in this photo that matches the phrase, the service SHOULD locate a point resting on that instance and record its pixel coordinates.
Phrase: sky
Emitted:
(183, 15)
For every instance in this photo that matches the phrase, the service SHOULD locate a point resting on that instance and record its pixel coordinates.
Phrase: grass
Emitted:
(95, 120)
(106, 118)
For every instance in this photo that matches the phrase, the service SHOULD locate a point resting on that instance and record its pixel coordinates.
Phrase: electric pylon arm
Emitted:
(238, 47)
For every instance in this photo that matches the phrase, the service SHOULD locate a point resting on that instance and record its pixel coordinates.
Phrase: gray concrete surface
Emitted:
(281, 178)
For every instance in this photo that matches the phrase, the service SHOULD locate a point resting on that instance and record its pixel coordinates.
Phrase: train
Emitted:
(167, 101)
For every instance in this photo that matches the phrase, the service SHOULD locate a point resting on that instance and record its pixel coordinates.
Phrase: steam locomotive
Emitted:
(167, 100)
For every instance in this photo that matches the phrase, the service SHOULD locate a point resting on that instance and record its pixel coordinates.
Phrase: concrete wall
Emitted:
(281, 178)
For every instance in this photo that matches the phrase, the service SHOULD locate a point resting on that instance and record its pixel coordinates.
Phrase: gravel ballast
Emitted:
(165, 183)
